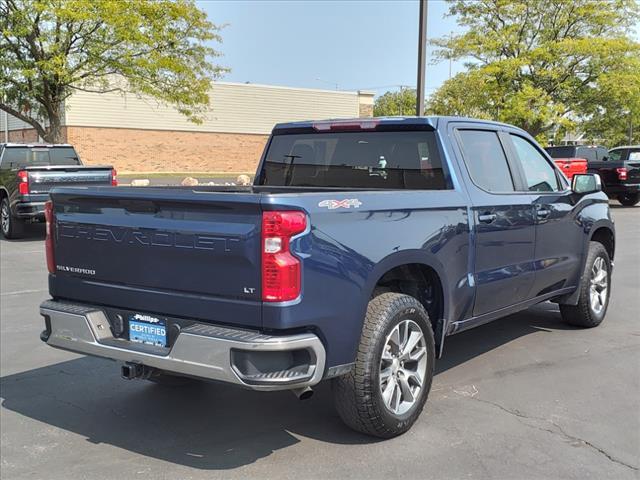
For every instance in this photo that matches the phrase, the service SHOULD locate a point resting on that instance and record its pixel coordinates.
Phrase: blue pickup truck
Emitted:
(360, 247)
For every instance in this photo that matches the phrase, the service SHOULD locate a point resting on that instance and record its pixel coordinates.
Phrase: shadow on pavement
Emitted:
(211, 426)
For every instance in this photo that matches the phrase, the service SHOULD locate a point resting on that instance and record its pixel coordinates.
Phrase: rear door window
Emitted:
(539, 174)
(486, 161)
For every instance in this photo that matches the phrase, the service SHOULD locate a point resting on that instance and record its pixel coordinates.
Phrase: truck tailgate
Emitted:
(170, 251)
(43, 179)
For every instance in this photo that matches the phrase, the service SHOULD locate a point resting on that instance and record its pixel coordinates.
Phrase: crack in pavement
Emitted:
(559, 431)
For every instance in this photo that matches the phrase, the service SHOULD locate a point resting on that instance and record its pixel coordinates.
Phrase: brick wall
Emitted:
(366, 110)
(133, 150)
(27, 135)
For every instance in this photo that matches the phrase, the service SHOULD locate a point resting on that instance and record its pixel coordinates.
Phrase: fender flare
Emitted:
(405, 257)
(572, 299)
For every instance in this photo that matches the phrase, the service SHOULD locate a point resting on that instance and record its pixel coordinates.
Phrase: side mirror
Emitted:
(586, 183)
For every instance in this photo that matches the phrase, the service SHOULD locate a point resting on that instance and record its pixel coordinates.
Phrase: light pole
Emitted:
(422, 57)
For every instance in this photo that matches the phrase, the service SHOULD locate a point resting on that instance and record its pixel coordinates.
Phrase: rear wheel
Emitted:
(595, 289)
(389, 384)
(629, 199)
(10, 227)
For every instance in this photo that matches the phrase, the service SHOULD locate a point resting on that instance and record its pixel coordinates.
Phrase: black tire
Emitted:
(358, 395)
(629, 199)
(169, 380)
(583, 314)
(10, 227)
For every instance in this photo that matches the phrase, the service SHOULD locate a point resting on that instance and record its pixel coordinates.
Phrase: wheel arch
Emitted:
(419, 274)
(605, 235)
(603, 232)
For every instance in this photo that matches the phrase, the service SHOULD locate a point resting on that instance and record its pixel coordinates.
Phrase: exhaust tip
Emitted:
(304, 393)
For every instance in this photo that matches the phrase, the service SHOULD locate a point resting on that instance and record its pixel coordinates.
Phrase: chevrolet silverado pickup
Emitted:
(29, 172)
(361, 246)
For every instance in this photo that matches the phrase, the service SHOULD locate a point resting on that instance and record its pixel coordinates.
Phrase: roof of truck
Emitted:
(35, 145)
(372, 122)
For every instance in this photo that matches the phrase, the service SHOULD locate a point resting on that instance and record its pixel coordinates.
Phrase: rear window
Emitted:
(632, 154)
(561, 152)
(588, 153)
(388, 160)
(15, 157)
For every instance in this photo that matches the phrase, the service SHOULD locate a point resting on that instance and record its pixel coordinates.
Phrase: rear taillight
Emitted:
(114, 177)
(23, 182)
(280, 269)
(622, 173)
(48, 242)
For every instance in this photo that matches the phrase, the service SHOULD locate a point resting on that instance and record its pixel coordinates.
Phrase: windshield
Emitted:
(16, 157)
(389, 160)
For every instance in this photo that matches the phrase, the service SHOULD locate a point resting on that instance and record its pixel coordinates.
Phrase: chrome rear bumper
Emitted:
(201, 350)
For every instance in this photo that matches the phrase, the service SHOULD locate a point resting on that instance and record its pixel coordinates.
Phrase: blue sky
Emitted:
(318, 44)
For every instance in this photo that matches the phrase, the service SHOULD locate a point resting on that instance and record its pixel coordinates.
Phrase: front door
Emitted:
(558, 256)
(504, 226)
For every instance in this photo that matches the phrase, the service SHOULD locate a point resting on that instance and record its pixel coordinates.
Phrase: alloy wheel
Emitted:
(4, 218)
(599, 286)
(403, 367)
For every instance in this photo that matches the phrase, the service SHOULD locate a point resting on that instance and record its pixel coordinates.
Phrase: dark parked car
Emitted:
(620, 174)
(361, 246)
(29, 172)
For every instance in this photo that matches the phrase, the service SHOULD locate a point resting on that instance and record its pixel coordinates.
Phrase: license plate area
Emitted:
(147, 329)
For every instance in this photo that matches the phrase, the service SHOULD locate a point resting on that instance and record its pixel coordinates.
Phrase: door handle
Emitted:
(543, 213)
(487, 217)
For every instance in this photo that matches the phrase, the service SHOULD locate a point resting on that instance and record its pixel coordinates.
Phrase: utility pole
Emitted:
(450, 39)
(422, 57)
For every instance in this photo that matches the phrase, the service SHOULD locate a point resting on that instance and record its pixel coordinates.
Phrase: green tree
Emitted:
(402, 102)
(547, 66)
(51, 48)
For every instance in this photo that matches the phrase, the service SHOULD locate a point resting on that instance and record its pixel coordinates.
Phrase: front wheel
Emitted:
(388, 386)
(595, 289)
(629, 199)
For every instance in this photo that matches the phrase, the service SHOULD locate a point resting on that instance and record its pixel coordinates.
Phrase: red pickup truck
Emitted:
(574, 159)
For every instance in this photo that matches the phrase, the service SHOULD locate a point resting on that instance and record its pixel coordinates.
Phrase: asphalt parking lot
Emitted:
(523, 397)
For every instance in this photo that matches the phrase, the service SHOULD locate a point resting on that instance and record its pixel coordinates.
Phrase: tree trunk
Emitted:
(54, 132)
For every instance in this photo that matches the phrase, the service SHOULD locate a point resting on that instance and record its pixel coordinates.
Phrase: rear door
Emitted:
(558, 238)
(504, 221)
